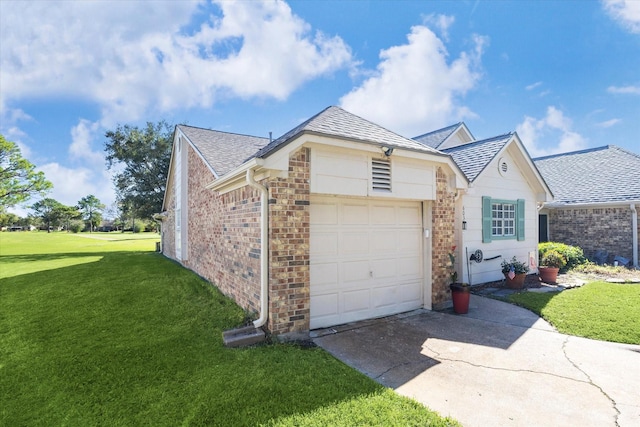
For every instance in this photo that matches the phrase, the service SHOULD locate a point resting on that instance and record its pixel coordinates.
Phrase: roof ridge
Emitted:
(480, 141)
(222, 131)
(570, 153)
(438, 130)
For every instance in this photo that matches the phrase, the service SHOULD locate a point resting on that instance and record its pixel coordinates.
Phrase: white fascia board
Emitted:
(169, 174)
(234, 176)
(618, 204)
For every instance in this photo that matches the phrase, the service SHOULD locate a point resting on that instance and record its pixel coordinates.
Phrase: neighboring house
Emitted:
(597, 197)
(337, 220)
(498, 213)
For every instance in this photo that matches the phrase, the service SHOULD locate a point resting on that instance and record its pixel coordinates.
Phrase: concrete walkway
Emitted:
(498, 365)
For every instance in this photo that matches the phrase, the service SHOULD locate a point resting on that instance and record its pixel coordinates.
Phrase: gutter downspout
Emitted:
(264, 248)
(634, 233)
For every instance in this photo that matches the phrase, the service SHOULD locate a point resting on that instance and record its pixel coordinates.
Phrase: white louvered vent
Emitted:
(381, 174)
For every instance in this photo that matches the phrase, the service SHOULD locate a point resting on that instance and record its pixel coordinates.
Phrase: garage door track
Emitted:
(498, 365)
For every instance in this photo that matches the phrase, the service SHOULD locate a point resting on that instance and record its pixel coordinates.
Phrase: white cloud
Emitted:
(415, 88)
(137, 57)
(550, 135)
(625, 12)
(533, 85)
(630, 90)
(80, 149)
(608, 123)
(72, 184)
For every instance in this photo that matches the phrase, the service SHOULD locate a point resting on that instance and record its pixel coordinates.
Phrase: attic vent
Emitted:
(381, 174)
(503, 167)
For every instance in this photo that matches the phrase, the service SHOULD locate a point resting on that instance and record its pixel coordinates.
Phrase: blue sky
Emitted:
(563, 74)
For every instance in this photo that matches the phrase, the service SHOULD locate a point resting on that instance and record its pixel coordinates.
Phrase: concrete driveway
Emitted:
(498, 365)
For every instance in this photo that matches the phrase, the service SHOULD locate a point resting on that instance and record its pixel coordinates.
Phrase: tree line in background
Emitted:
(139, 158)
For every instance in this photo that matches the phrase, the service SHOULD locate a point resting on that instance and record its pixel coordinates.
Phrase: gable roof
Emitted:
(435, 138)
(223, 151)
(597, 175)
(472, 158)
(337, 122)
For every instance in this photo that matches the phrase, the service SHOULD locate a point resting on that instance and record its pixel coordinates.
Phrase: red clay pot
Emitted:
(460, 293)
(548, 274)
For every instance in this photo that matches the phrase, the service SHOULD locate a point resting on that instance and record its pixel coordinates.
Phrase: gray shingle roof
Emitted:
(435, 138)
(340, 123)
(222, 150)
(603, 174)
(472, 158)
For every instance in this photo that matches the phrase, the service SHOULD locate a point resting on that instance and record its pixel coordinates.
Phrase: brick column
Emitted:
(443, 225)
(289, 301)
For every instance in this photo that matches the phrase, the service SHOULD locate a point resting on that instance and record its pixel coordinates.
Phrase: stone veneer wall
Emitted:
(594, 229)
(224, 236)
(289, 247)
(443, 226)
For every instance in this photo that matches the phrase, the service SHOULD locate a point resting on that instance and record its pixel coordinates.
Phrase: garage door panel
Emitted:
(384, 296)
(383, 242)
(355, 271)
(381, 215)
(409, 241)
(325, 305)
(353, 242)
(384, 268)
(325, 275)
(409, 216)
(410, 292)
(323, 244)
(366, 259)
(409, 267)
(324, 213)
(357, 300)
(355, 214)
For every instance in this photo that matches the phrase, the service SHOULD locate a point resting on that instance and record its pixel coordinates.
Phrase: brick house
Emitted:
(337, 220)
(497, 215)
(597, 197)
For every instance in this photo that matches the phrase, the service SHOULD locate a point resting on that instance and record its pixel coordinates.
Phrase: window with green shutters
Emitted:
(502, 219)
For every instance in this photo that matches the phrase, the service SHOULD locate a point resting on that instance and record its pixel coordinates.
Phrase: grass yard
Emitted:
(599, 310)
(100, 330)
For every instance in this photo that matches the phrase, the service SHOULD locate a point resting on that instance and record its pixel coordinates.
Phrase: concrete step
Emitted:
(243, 337)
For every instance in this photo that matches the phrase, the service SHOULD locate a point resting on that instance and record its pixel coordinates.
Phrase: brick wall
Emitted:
(224, 236)
(289, 247)
(443, 218)
(594, 229)
(169, 225)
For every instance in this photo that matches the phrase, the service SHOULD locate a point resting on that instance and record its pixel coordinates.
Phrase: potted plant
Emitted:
(460, 292)
(550, 264)
(514, 273)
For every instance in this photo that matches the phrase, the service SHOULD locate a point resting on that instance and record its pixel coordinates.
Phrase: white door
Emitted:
(366, 259)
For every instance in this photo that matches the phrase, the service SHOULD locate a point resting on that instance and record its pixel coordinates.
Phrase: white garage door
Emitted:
(366, 259)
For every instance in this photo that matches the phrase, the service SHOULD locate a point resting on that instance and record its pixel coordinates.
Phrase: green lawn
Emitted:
(598, 310)
(107, 332)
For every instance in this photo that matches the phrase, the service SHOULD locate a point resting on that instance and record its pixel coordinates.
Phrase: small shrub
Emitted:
(76, 227)
(518, 267)
(572, 254)
(553, 259)
(137, 228)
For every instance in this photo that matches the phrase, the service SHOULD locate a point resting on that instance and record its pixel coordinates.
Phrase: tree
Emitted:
(91, 208)
(67, 214)
(141, 157)
(18, 178)
(7, 219)
(49, 210)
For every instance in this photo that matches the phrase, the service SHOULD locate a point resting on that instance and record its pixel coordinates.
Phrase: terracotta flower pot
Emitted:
(548, 274)
(460, 293)
(517, 282)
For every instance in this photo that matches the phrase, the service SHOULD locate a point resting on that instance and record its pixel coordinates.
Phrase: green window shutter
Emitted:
(520, 219)
(486, 219)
